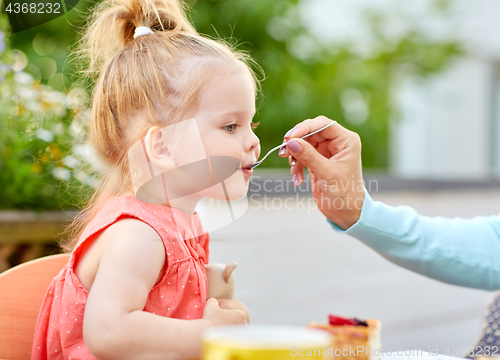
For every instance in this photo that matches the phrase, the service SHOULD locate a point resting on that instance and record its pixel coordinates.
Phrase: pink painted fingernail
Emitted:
(282, 150)
(289, 133)
(294, 146)
(295, 180)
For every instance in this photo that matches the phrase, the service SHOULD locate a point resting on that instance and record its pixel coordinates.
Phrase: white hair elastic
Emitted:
(142, 30)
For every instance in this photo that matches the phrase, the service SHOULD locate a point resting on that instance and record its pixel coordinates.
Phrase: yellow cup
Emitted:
(264, 342)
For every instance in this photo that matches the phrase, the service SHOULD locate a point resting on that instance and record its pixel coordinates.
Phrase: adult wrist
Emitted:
(351, 218)
(349, 221)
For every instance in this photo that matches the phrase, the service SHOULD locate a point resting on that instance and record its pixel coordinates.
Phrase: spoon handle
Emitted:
(257, 163)
(320, 129)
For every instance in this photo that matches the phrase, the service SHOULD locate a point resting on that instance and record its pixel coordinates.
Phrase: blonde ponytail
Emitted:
(112, 24)
(142, 82)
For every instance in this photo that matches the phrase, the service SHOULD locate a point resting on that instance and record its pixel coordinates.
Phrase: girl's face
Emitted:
(220, 130)
(224, 118)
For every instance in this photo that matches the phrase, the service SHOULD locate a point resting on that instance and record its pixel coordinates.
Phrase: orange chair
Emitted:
(22, 289)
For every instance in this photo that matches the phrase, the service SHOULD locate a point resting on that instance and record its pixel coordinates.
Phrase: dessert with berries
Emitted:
(352, 338)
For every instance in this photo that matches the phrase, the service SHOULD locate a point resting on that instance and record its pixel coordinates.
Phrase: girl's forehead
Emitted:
(233, 91)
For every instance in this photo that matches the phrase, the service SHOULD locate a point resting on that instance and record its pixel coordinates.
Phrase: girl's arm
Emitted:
(458, 251)
(114, 326)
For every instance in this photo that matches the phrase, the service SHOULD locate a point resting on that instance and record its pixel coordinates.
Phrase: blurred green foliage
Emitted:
(304, 77)
(40, 158)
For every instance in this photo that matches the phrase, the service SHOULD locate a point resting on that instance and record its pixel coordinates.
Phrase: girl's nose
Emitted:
(253, 142)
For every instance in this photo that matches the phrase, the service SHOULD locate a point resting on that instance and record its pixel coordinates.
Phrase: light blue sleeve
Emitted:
(458, 251)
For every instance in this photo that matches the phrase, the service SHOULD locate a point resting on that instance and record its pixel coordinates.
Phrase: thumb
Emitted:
(213, 302)
(307, 155)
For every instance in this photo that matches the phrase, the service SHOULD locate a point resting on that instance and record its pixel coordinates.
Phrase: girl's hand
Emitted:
(333, 158)
(232, 304)
(233, 314)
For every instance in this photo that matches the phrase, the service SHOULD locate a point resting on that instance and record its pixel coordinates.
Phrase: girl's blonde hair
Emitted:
(152, 80)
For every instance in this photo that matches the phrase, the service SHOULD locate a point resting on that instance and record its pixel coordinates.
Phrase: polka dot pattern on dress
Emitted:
(180, 293)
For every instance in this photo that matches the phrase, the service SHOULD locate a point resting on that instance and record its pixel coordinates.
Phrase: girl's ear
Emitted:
(157, 148)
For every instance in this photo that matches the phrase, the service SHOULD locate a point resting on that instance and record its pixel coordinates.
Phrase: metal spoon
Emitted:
(257, 163)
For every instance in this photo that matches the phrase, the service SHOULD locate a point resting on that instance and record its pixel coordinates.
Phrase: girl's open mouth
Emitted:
(246, 170)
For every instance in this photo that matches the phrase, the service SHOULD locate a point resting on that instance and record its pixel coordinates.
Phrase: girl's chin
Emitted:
(231, 193)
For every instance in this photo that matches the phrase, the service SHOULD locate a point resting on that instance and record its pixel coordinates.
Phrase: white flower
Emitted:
(77, 129)
(80, 175)
(76, 98)
(58, 129)
(84, 151)
(71, 161)
(55, 97)
(34, 106)
(23, 78)
(28, 94)
(85, 178)
(59, 110)
(86, 114)
(44, 134)
(53, 101)
(92, 181)
(61, 173)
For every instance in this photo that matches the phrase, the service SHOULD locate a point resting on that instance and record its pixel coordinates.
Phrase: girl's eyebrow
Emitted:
(235, 112)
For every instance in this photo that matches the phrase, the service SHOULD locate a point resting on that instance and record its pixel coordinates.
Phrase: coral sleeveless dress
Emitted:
(181, 292)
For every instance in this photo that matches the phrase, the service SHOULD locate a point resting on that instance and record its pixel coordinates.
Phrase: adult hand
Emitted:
(333, 158)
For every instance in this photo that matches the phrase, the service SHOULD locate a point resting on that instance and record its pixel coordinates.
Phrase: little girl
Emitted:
(135, 285)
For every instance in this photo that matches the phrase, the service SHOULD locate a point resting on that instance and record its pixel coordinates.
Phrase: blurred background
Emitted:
(419, 81)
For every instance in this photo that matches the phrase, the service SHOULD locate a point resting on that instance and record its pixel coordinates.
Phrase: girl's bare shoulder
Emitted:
(127, 233)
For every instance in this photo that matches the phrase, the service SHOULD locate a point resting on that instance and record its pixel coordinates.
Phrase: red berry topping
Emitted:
(337, 320)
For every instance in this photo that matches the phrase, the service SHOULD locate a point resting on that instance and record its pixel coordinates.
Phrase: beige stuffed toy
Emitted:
(220, 280)
(221, 283)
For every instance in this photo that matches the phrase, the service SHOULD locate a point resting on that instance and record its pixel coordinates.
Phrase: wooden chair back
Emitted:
(22, 289)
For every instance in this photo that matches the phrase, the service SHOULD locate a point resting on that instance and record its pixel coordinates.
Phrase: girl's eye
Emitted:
(230, 128)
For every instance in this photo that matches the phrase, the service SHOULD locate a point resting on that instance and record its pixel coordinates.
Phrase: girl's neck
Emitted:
(186, 204)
